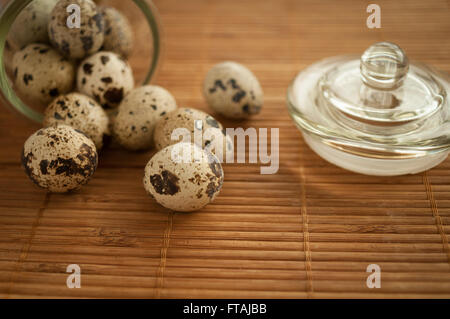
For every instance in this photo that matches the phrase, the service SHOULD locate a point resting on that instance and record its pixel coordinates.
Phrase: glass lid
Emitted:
(379, 104)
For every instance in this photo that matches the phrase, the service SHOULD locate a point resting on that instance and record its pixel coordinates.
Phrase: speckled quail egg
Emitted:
(80, 112)
(30, 26)
(59, 158)
(200, 125)
(76, 42)
(138, 114)
(233, 91)
(41, 73)
(183, 177)
(118, 32)
(106, 77)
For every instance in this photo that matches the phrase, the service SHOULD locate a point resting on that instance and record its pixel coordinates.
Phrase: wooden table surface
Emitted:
(309, 231)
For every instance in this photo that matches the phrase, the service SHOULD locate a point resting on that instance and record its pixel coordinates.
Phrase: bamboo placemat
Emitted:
(309, 231)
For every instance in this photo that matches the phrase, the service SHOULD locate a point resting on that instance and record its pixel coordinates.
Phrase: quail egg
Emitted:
(138, 114)
(233, 91)
(198, 127)
(41, 73)
(30, 26)
(183, 177)
(118, 32)
(79, 41)
(80, 112)
(59, 158)
(106, 77)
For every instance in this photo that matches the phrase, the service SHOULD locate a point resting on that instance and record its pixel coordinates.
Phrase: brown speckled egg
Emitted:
(41, 73)
(233, 91)
(194, 121)
(118, 32)
(106, 77)
(30, 26)
(76, 43)
(80, 112)
(185, 185)
(59, 158)
(138, 114)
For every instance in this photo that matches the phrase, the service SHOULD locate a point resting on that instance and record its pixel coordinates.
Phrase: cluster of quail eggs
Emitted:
(83, 77)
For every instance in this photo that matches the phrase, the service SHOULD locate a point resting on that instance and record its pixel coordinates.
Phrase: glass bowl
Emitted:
(144, 58)
(376, 114)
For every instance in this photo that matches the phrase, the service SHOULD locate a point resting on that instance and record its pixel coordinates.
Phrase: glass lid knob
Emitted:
(384, 66)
